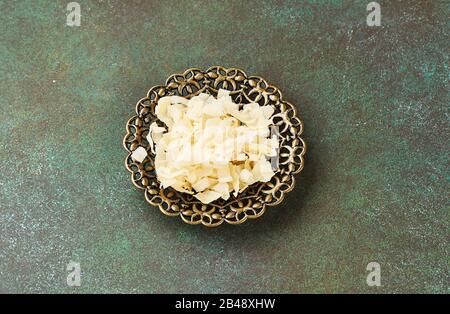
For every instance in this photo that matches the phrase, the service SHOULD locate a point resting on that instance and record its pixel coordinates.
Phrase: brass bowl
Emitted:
(250, 203)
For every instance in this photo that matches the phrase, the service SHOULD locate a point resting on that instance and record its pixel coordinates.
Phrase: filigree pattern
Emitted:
(250, 203)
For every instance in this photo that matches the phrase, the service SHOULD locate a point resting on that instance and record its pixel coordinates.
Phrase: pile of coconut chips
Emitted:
(211, 147)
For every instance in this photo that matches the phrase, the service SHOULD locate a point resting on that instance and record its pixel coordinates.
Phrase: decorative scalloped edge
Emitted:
(189, 83)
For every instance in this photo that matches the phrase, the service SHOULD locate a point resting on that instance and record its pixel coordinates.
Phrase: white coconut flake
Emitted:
(139, 154)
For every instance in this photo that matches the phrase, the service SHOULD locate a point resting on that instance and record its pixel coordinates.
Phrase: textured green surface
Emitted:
(375, 106)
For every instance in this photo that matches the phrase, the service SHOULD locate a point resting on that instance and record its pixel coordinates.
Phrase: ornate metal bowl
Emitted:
(250, 203)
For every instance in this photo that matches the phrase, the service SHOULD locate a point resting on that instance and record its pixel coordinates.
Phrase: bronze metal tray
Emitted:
(250, 203)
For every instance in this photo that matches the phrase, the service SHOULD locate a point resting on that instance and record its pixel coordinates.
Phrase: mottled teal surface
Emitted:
(375, 102)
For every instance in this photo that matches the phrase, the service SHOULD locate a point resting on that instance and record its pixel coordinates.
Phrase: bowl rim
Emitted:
(180, 82)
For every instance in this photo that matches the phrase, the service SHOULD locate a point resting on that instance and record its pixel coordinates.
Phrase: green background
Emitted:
(374, 101)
